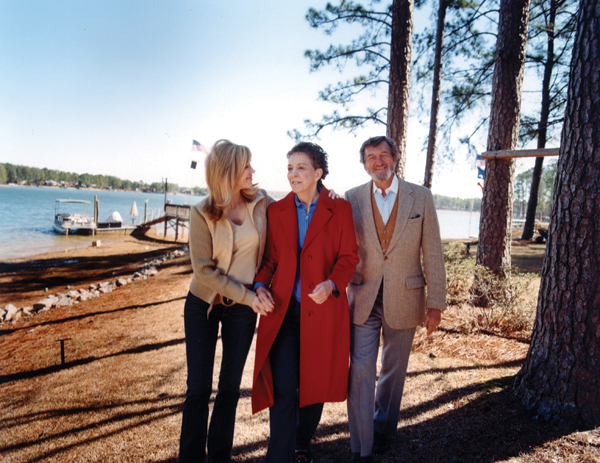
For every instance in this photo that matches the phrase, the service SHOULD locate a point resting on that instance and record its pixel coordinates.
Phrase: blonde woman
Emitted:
(227, 239)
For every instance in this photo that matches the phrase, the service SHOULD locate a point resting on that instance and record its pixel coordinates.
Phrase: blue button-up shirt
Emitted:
(304, 218)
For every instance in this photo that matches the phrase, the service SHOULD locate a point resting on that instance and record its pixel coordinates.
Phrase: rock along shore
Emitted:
(11, 313)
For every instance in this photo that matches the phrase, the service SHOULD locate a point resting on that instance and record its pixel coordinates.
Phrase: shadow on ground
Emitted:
(493, 427)
(484, 422)
(37, 275)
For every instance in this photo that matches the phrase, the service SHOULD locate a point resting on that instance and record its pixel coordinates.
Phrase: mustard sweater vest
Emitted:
(384, 231)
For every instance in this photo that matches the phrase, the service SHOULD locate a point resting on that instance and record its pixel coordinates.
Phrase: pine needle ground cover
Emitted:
(119, 395)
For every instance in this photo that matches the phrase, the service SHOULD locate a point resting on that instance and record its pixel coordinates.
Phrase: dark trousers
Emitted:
(201, 332)
(292, 428)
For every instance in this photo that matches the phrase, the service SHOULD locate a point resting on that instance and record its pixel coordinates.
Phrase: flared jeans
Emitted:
(237, 324)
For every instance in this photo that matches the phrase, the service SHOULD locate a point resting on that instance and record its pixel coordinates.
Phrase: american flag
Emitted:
(480, 167)
(197, 146)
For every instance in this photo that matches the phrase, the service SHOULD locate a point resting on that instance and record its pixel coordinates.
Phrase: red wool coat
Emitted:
(329, 252)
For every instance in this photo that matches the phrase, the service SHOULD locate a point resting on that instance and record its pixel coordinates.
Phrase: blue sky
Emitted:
(121, 87)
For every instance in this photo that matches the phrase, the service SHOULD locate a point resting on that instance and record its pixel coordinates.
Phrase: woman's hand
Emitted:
(263, 303)
(258, 307)
(322, 291)
(333, 194)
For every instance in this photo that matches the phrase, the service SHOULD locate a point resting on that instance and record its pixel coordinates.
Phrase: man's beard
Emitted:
(382, 177)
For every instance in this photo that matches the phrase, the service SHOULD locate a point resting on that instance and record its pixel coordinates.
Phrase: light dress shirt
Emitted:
(386, 204)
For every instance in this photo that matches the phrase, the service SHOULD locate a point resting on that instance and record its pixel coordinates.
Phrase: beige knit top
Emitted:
(245, 251)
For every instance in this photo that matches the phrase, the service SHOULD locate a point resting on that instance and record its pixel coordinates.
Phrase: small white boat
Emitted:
(113, 225)
(66, 222)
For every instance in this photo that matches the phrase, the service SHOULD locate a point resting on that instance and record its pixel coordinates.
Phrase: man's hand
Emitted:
(432, 320)
(322, 291)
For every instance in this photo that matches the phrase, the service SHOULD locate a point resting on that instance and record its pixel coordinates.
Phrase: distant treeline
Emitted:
(23, 175)
(457, 204)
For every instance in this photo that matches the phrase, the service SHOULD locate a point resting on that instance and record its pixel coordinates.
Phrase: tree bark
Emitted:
(532, 203)
(435, 97)
(399, 80)
(561, 374)
(542, 127)
(493, 250)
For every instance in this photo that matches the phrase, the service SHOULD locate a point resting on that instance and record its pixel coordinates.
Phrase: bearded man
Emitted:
(399, 284)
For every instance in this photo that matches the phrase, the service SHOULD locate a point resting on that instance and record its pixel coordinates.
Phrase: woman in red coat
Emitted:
(303, 343)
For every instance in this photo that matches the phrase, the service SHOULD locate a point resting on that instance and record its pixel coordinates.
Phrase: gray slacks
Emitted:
(369, 411)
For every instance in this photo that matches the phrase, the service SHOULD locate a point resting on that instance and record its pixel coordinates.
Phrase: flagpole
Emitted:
(480, 168)
(191, 185)
(471, 211)
(197, 146)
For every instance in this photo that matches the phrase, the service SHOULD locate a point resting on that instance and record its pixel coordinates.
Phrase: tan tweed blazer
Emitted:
(410, 287)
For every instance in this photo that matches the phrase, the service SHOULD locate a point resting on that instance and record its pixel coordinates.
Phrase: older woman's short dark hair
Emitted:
(375, 141)
(317, 155)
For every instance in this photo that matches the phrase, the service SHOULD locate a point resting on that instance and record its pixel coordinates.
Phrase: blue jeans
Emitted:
(201, 332)
(292, 428)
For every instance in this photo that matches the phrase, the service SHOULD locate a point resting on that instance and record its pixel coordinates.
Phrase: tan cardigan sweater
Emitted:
(211, 248)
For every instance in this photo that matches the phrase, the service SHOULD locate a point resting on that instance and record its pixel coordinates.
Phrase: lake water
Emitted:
(27, 215)
(458, 224)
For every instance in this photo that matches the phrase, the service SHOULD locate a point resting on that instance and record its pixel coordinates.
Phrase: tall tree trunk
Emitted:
(435, 97)
(399, 87)
(542, 127)
(534, 192)
(493, 250)
(561, 375)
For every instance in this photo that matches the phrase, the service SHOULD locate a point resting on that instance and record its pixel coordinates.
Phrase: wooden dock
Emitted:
(176, 216)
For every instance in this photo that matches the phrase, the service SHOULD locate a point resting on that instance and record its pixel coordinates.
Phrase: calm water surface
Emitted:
(458, 224)
(27, 214)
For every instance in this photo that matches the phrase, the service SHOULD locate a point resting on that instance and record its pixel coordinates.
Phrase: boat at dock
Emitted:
(68, 222)
(113, 225)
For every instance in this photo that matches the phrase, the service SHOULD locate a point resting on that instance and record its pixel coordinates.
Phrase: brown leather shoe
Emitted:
(302, 456)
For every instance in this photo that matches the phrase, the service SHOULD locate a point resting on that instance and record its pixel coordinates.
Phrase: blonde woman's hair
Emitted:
(224, 165)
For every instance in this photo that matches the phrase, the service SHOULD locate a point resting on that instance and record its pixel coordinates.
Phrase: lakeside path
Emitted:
(118, 397)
